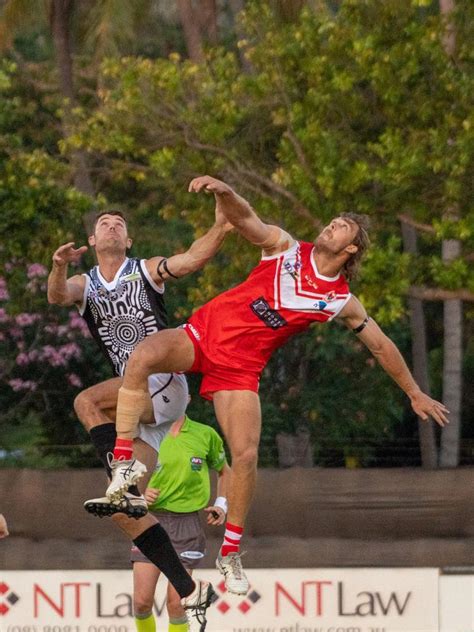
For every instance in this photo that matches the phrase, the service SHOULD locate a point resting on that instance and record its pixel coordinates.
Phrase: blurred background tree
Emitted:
(308, 109)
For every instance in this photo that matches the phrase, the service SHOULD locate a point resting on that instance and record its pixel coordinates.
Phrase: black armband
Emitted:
(162, 268)
(362, 326)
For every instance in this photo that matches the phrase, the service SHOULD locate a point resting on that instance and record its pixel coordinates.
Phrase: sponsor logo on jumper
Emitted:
(311, 282)
(196, 463)
(267, 315)
(320, 305)
(330, 296)
(292, 268)
(135, 276)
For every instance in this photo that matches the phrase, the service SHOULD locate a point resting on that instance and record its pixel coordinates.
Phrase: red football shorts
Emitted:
(219, 378)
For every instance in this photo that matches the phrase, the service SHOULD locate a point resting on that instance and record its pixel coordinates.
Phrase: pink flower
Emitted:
(22, 359)
(36, 270)
(22, 385)
(74, 380)
(51, 355)
(4, 318)
(24, 319)
(4, 295)
(35, 285)
(62, 355)
(70, 350)
(77, 322)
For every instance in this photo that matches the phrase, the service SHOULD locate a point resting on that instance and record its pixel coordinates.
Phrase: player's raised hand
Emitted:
(215, 516)
(208, 185)
(425, 407)
(68, 254)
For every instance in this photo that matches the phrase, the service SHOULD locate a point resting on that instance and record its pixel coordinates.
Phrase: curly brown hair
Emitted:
(351, 267)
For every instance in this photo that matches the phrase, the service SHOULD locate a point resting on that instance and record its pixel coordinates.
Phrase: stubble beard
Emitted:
(322, 244)
(112, 248)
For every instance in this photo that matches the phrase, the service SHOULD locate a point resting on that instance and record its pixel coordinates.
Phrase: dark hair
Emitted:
(110, 212)
(351, 267)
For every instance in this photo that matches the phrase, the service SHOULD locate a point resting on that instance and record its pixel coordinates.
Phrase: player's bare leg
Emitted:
(145, 578)
(239, 416)
(96, 409)
(96, 405)
(152, 540)
(168, 351)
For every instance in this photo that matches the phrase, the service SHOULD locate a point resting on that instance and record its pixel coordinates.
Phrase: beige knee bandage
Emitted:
(130, 405)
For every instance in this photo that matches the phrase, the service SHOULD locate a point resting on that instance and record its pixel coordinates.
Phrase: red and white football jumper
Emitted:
(236, 332)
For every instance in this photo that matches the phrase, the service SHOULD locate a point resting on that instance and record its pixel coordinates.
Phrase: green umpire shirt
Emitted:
(182, 471)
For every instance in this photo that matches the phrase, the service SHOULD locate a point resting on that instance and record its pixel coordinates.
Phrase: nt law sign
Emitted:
(386, 600)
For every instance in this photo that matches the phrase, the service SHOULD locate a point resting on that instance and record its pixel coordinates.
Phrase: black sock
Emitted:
(156, 545)
(103, 438)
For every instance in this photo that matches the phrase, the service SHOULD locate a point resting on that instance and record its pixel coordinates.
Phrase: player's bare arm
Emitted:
(354, 316)
(3, 527)
(216, 514)
(199, 253)
(271, 239)
(61, 290)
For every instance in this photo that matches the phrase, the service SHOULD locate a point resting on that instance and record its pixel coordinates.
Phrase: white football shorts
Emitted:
(170, 395)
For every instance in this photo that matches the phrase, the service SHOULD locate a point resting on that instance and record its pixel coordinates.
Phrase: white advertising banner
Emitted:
(456, 603)
(300, 600)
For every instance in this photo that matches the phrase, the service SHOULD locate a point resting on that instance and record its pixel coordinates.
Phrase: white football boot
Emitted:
(235, 578)
(198, 602)
(133, 506)
(124, 474)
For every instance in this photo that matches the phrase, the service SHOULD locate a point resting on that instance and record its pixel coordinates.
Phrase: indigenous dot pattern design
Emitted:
(120, 317)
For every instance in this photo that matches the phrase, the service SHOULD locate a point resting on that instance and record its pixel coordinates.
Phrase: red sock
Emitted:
(232, 536)
(123, 449)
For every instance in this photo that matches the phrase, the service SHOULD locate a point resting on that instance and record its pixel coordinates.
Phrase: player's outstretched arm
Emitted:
(197, 255)
(391, 360)
(61, 290)
(240, 214)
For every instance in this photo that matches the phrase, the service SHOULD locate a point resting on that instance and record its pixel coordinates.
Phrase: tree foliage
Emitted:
(361, 111)
(354, 107)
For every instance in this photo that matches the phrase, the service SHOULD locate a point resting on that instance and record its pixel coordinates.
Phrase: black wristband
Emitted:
(362, 326)
(163, 266)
